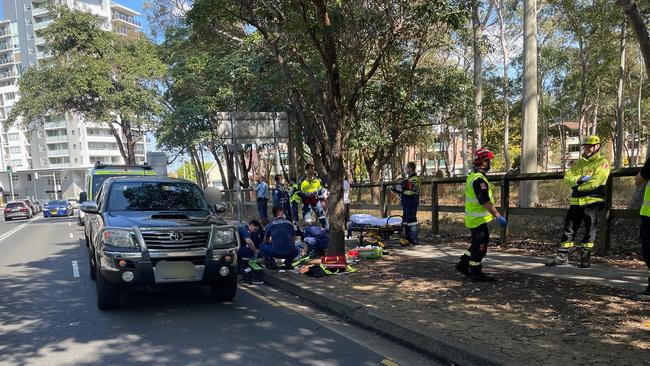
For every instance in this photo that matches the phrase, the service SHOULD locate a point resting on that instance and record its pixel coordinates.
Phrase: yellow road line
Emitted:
(260, 297)
(388, 362)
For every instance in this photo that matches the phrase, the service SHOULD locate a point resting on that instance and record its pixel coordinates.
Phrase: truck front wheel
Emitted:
(108, 295)
(224, 290)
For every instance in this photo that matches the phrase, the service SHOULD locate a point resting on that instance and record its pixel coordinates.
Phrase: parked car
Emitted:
(155, 231)
(31, 206)
(40, 205)
(57, 208)
(74, 203)
(18, 209)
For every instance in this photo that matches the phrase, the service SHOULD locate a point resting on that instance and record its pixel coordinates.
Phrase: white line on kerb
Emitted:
(11, 232)
(75, 269)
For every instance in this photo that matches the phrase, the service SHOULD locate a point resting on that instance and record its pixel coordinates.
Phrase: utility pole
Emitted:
(56, 194)
(11, 181)
(528, 190)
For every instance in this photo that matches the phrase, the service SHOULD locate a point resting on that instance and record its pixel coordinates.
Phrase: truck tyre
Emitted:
(108, 295)
(224, 290)
(91, 266)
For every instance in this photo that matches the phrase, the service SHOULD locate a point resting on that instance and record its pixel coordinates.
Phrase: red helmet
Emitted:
(481, 155)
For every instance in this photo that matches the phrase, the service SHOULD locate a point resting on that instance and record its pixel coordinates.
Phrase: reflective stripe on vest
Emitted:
(475, 213)
(645, 208)
(583, 201)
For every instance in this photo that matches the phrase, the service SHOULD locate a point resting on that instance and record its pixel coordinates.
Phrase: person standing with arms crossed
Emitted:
(409, 191)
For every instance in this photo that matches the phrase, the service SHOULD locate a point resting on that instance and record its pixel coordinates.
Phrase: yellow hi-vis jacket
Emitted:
(592, 191)
(475, 213)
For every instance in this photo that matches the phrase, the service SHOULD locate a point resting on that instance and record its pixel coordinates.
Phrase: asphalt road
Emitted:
(48, 316)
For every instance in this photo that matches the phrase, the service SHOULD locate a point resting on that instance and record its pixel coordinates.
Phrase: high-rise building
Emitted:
(66, 144)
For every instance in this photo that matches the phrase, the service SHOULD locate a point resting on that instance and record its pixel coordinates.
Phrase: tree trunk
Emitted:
(620, 123)
(528, 190)
(217, 159)
(639, 27)
(374, 174)
(506, 102)
(478, 68)
(583, 87)
(638, 120)
(463, 147)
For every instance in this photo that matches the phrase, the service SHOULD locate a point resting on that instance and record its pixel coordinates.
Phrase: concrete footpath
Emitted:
(438, 345)
(623, 278)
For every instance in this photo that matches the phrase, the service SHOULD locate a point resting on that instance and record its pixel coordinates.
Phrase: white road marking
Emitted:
(71, 236)
(13, 231)
(69, 224)
(75, 269)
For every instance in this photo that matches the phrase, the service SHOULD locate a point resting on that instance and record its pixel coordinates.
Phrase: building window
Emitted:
(29, 177)
(14, 178)
(10, 96)
(15, 149)
(14, 136)
(72, 132)
(17, 162)
(76, 160)
(74, 146)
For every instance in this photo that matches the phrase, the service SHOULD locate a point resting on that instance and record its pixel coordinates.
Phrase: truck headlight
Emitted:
(223, 237)
(118, 238)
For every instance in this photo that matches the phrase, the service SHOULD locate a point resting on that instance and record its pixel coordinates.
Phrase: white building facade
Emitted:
(65, 146)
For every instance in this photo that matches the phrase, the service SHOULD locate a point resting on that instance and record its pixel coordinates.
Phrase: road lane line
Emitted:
(75, 269)
(388, 362)
(13, 231)
(71, 236)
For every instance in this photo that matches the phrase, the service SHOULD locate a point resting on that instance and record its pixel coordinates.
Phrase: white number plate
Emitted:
(167, 270)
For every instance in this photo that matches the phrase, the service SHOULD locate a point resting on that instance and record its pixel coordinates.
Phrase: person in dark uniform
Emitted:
(279, 240)
(409, 191)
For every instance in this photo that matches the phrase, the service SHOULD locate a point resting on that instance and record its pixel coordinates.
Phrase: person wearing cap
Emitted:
(642, 179)
(479, 211)
(587, 179)
(409, 191)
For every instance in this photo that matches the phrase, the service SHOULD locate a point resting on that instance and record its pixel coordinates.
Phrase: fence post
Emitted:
(605, 237)
(505, 206)
(382, 201)
(434, 207)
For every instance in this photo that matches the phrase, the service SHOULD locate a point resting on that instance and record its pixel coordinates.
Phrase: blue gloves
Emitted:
(502, 221)
(585, 178)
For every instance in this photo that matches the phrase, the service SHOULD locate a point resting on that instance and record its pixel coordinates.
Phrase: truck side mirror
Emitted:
(83, 197)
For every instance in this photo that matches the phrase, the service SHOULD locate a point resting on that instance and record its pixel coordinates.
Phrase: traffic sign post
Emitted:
(11, 182)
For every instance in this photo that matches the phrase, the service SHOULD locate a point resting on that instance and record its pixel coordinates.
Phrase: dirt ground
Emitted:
(529, 319)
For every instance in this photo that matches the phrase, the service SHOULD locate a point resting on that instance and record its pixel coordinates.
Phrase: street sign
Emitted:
(9, 169)
(253, 127)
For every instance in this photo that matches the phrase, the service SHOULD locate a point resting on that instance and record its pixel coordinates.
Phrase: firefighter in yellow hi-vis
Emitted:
(587, 179)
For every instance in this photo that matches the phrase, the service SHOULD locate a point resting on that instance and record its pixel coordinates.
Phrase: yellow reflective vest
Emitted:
(592, 191)
(475, 214)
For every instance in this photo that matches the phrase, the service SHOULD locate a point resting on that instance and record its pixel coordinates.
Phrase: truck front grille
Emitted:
(181, 239)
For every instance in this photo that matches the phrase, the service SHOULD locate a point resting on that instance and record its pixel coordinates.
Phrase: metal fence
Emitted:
(446, 195)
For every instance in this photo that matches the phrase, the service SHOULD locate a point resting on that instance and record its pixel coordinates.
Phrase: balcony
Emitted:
(39, 11)
(126, 19)
(6, 61)
(42, 24)
(574, 155)
(44, 55)
(62, 152)
(5, 33)
(57, 138)
(54, 125)
(5, 47)
(60, 165)
(7, 75)
(39, 40)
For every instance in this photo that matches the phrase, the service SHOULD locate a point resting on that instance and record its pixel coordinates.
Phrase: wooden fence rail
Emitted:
(504, 181)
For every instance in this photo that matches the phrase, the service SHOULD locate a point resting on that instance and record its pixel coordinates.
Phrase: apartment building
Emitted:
(66, 145)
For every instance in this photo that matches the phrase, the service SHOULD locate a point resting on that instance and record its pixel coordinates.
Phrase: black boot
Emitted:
(476, 274)
(585, 258)
(463, 265)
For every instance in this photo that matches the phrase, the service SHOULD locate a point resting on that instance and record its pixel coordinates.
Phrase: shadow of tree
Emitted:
(49, 317)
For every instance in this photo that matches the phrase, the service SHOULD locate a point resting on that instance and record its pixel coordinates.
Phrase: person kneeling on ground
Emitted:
(250, 243)
(316, 239)
(279, 240)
